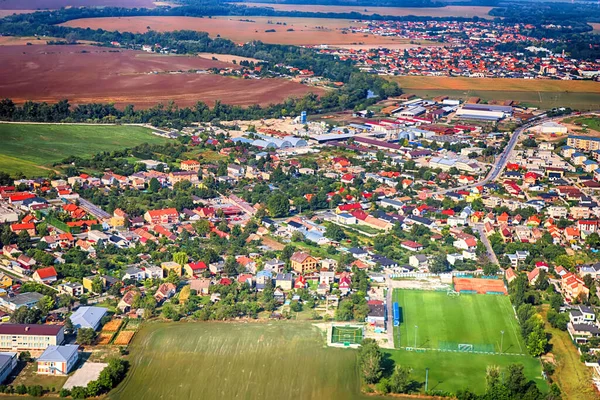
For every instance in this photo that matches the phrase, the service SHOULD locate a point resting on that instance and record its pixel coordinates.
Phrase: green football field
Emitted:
(433, 320)
(31, 149)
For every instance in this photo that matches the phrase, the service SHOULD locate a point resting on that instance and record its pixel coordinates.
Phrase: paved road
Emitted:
(390, 312)
(501, 161)
(484, 239)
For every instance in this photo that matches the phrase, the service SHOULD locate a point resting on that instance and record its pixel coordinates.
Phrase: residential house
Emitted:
(74, 289)
(165, 216)
(195, 269)
(377, 314)
(169, 266)
(573, 286)
(303, 263)
(411, 245)
(284, 281)
(165, 291)
(45, 275)
(134, 274)
(200, 286)
(13, 302)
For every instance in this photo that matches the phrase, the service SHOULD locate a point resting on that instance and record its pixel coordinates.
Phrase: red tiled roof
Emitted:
(47, 272)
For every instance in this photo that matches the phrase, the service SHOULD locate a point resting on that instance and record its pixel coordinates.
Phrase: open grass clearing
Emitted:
(572, 376)
(31, 149)
(455, 371)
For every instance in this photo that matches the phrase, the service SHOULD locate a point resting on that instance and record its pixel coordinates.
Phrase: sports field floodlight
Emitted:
(416, 333)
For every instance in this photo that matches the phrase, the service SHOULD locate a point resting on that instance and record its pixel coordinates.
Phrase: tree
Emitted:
(492, 376)
(46, 304)
(537, 339)
(516, 382)
(334, 232)
(170, 312)
(542, 281)
(278, 205)
(202, 227)
(369, 360)
(86, 336)
(154, 185)
(97, 285)
(400, 381)
(439, 264)
(296, 306)
(593, 240)
(490, 269)
(345, 311)
(180, 258)
(68, 325)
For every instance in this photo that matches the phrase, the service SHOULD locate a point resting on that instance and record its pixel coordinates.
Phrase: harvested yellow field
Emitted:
(104, 339)
(495, 84)
(449, 11)
(124, 338)
(112, 326)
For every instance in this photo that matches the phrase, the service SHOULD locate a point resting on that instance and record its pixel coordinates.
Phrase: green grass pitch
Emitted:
(32, 148)
(346, 334)
(468, 319)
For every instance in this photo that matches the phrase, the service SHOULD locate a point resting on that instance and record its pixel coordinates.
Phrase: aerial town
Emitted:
(348, 200)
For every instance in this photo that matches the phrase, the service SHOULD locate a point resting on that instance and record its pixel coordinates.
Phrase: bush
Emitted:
(64, 393)
(383, 386)
(35, 391)
(79, 392)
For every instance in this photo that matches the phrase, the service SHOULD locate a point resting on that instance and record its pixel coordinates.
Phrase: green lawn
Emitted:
(591, 122)
(33, 148)
(450, 372)
(469, 319)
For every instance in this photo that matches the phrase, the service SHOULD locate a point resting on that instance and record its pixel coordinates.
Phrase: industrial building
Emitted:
(484, 112)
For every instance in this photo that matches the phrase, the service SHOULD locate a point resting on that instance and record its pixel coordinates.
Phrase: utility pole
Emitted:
(501, 341)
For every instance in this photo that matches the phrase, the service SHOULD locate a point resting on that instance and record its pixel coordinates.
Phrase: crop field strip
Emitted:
(55, 142)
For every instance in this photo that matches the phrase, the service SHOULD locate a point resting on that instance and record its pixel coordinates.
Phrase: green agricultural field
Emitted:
(283, 360)
(279, 360)
(545, 100)
(467, 319)
(31, 149)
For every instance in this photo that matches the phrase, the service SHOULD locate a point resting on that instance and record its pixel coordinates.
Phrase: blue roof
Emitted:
(88, 317)
(59, 353)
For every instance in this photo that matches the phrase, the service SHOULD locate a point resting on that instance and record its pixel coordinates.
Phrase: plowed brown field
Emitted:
(85, 74)
(56, 4)
(448, 11)
(296, 31)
